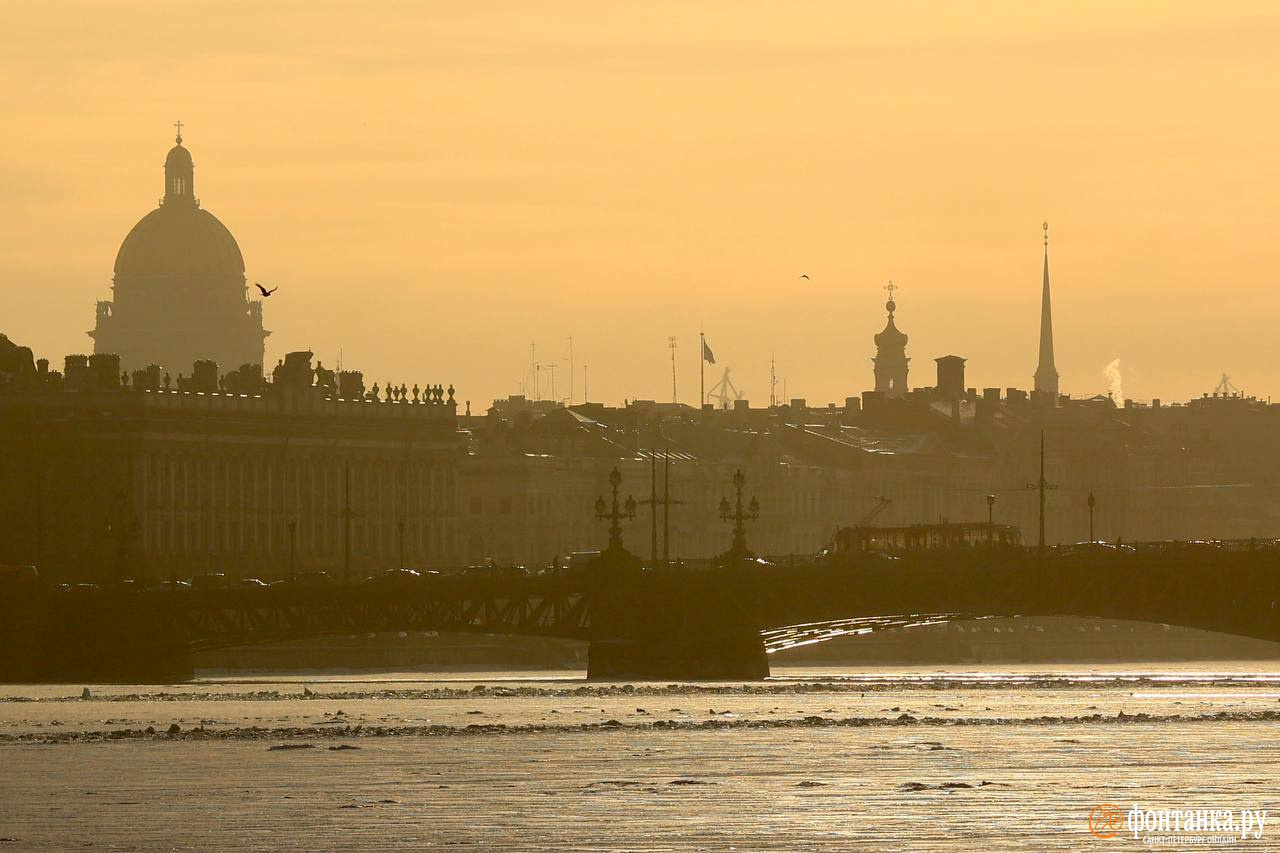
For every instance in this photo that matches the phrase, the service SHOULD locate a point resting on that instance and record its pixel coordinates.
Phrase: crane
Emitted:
(881, 503)
(1225, 388)
(725, 391)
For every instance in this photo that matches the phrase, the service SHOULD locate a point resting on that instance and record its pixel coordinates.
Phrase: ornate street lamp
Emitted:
(619, 511)
(739, 516)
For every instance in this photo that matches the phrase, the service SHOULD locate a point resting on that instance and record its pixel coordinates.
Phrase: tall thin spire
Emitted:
(1046, 373)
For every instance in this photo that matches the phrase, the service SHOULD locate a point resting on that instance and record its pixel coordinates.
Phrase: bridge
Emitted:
(717, 622)
(660, 621)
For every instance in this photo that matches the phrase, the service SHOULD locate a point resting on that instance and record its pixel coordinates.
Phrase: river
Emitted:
(877, 759)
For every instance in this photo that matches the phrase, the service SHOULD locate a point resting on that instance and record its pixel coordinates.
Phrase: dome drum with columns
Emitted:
(179, 291)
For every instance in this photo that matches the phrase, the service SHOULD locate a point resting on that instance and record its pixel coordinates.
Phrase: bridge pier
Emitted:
(43, 643)
(677, 625)
(95, 661)
(689, 657)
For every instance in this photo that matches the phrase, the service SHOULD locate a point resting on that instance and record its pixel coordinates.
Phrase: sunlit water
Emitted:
(913, 759)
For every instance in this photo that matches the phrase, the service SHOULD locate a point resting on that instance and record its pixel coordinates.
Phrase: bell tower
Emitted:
(891, 354)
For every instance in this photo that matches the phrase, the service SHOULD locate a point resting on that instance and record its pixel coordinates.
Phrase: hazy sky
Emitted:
(434, 186)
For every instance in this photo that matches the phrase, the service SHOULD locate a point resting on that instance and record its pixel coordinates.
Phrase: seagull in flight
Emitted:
(266, 292)
(804, 275)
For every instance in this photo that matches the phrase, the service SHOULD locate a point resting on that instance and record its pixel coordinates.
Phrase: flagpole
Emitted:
(702, 370)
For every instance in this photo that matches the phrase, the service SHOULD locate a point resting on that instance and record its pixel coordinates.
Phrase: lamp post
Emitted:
(293, 536)
(665, 502)
(991, 527)
(1042, 485)
(1092, 502)
(739, 516)
(618, 511)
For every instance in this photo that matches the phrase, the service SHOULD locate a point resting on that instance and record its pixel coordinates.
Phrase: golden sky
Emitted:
(435, 186)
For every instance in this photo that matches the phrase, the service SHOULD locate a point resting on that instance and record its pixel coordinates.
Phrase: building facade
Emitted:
(101, 481)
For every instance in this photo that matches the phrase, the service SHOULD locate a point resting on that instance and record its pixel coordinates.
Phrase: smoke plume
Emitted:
(1114, 382)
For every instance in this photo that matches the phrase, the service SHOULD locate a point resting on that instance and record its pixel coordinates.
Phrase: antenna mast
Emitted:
(571, 371)
(773, 381)
(671, 343)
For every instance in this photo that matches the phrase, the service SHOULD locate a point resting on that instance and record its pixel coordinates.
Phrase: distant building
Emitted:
(891, 357)
(527, 490)
(179, 291)
(1161, 472)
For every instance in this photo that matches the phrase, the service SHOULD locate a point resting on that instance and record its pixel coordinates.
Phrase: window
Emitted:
(504, 505)
(477, 505)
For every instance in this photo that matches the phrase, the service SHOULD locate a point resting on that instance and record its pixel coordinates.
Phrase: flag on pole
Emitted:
(707, 355)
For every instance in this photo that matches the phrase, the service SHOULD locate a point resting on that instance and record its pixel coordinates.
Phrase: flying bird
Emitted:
(804, 275)
(266, 292)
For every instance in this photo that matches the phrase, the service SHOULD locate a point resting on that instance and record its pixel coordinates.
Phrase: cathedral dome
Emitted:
(179, 292)
(179, 240)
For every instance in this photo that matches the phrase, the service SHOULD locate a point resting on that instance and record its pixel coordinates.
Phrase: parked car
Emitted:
(305, 579)
(1100, 548)
(19, 574)
(170, 586)
(1203, 545)
(204, 583)
(579, 560)
(392, 577)
(495, 571)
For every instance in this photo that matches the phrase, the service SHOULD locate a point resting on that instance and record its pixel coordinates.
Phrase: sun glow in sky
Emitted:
(436, 186)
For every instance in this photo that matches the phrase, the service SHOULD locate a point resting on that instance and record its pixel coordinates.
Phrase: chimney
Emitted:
(950, 377)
